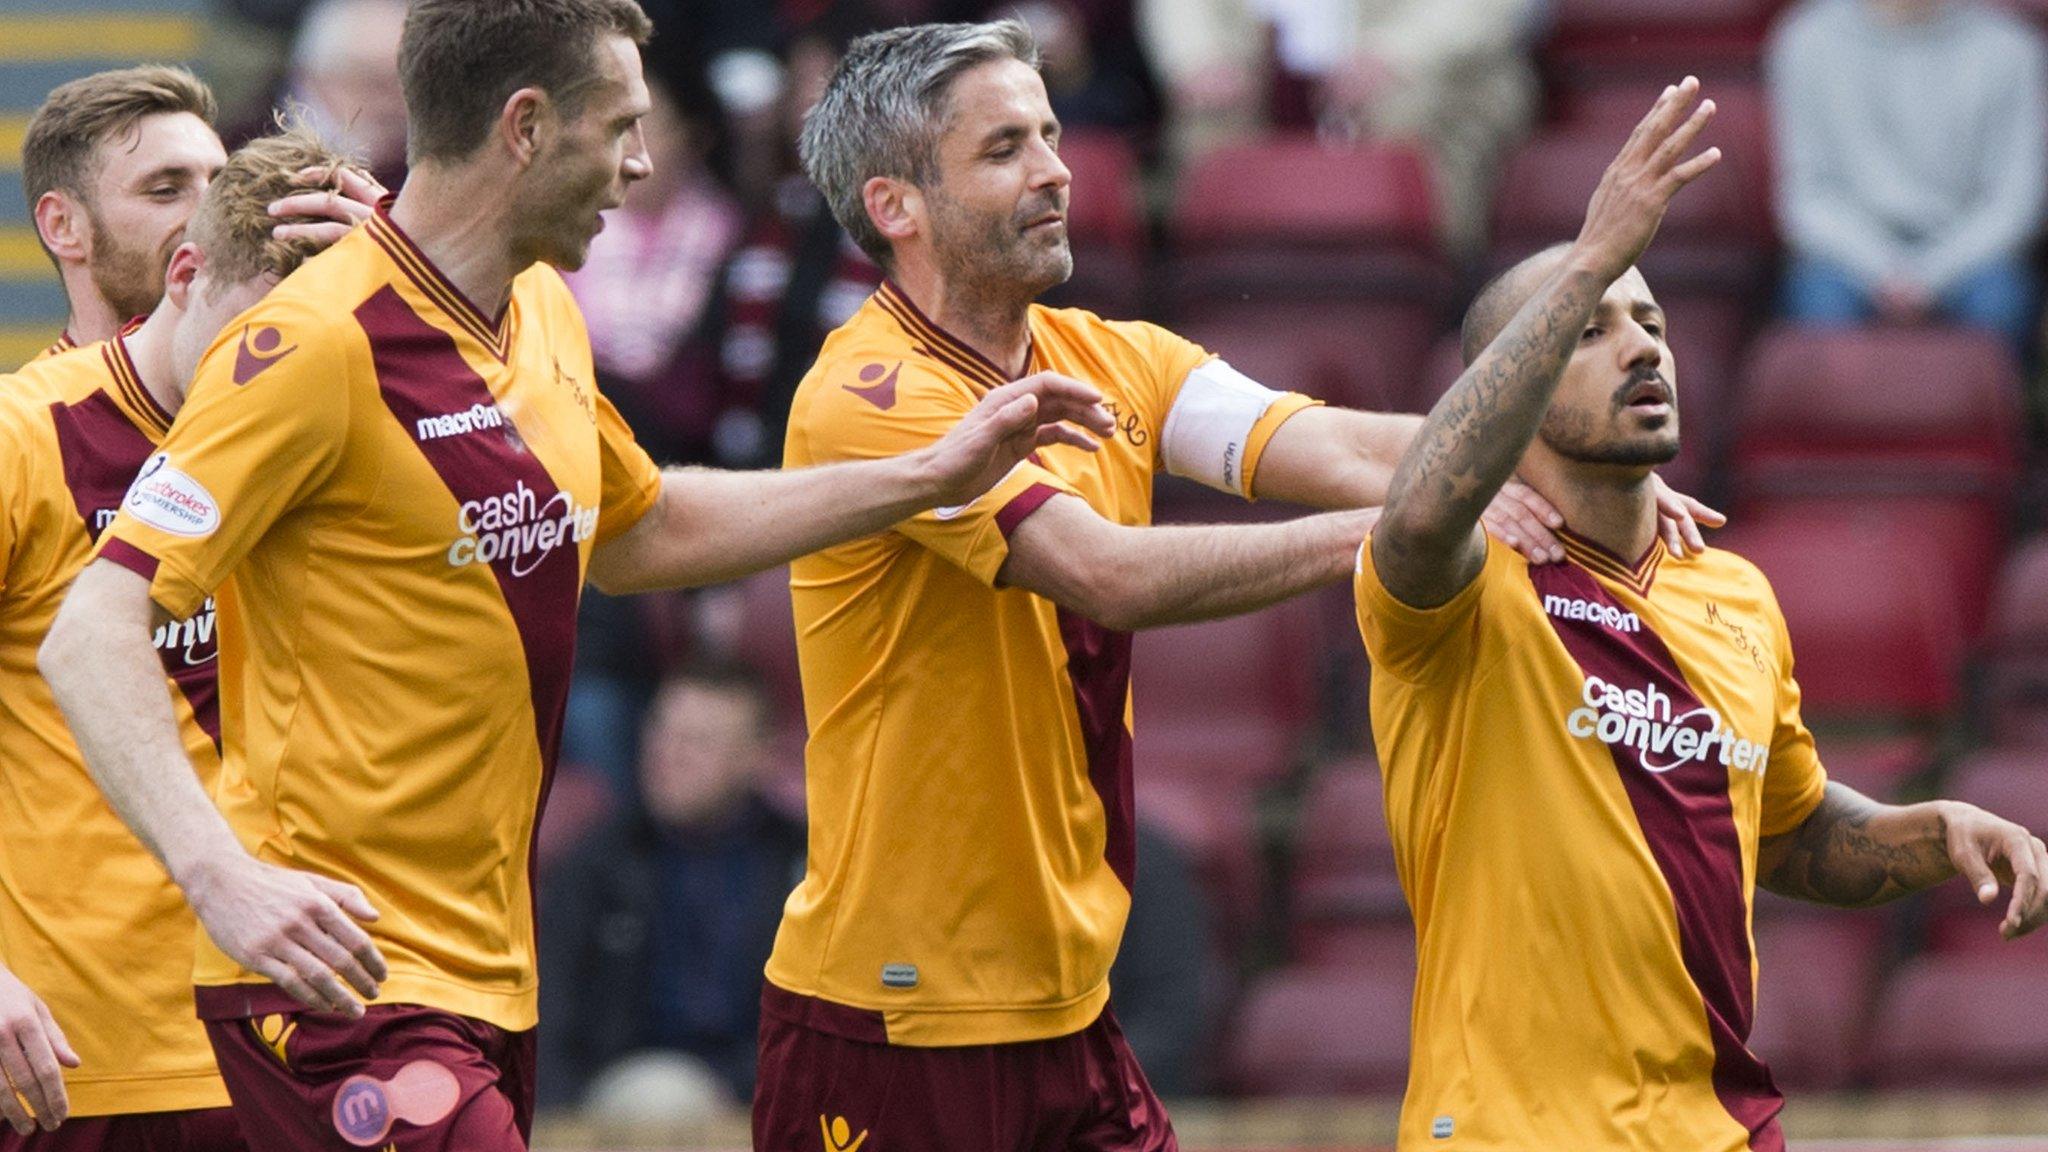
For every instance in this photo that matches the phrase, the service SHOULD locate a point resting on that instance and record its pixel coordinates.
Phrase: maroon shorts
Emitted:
(1077, 1093)
(196, 1130)
(403, 1077)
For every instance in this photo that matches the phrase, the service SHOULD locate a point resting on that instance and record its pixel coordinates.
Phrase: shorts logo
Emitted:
(275, 1031)
(519, 528)
(170, 501)
(839, 1135)
(882, 395)
(258, 352)
(475, 418)
(421, 1093)
(1642, 720)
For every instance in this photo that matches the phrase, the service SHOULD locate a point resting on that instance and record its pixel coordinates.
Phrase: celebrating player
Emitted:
(401, 458)
(112, 166)
(1590, 764)
(967, 674)
(113, 972)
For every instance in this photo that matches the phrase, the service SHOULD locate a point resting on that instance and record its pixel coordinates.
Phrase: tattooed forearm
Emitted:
(1854, 852)
(1474, 438)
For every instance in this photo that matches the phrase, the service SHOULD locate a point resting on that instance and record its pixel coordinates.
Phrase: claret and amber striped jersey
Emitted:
(1579, 761)
(88, 920)
(969, 762)
(406, 492)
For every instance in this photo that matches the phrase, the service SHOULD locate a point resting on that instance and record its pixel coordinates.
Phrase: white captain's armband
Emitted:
(1211, 425)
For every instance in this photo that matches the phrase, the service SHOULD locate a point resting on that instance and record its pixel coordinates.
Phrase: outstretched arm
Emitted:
(1854, 852)
(710, 526)
(1427, 546)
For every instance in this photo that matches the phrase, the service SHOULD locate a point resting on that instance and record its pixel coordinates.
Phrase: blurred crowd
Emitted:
(1908, 181)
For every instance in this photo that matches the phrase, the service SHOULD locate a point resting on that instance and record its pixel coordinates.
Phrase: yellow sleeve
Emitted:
(1794, 779)
(1421, 645)
(256, 439)
(840, 424)
(631, 481)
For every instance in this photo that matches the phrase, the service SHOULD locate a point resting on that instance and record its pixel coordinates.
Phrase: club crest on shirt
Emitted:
(576, 389)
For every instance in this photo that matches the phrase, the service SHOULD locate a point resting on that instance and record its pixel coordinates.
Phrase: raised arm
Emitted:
(1428, 546)
(1854, 852)
(293, 927)
(710, 526)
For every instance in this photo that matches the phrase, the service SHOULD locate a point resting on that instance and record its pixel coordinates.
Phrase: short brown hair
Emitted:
(460, 60)
(232, 224)
(79, 115)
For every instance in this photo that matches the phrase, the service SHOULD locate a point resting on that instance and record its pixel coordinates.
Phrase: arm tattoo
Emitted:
(1854, 853)
(1472, 441)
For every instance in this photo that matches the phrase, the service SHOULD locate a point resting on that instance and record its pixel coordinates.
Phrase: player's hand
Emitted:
(296, 929)
(31, 1048)
(1524, 521)
(1638, 186)
(1679, 518)
(1009, 424)
(338, 200)
(1990, 851)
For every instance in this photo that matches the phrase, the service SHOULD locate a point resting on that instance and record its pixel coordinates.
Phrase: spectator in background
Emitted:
(1096, 75)
(343, 74)
(659, 923)
(795, 276)
(1910, 144)
(1453, 75)
(647, 284)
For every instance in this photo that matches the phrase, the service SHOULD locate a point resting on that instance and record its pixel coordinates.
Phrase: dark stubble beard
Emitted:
(130, 279)
(1573, 436)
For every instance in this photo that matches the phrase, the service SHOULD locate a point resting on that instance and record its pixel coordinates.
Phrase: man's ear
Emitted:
(186, 265)
(896, 207)
(65, 226)
(525, 124)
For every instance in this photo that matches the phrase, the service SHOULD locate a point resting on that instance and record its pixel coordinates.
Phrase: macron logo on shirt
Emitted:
(1604, 614)
(475, 418)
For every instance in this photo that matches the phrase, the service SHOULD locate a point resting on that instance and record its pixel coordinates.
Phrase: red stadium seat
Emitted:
(1324, 1032)
(1361, 355)
(1815, 979)
(1213, 822)
(1596, 40)
(1876, 766)
(1224, 701)
(1967, 1021)
(1875, 631)
(1105, 223)
(1295, 191)
(1344, 871)
(1880, 411)
(2013, 691)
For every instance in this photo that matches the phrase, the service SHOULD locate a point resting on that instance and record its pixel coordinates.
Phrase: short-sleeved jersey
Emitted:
(1579, 761)
(969, 761)
(407, 493)
(88, 920)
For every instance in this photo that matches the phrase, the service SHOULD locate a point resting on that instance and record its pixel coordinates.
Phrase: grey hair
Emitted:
(885, 108)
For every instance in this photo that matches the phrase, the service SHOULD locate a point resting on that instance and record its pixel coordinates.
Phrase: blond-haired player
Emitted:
(97, 939)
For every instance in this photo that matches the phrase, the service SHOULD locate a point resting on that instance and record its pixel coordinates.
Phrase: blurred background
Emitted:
(1313, 189)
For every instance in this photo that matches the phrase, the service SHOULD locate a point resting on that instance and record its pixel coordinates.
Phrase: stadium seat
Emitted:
(1357, 356)
(2011, 685)
(1877, 766)
(1212, 821)
(1965, 1021)
(1343, 876)
(1105, 224)
(1313, 1031)
(1224, 700)
(1604, 40)
(1296, 193)
(1876, 630)
(1879, 411)
(1816, 975)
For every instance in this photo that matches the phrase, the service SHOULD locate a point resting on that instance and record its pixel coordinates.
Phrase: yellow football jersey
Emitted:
(64, 343)
(88, 920)
(407, 493)
(969, 762)
(1579, 760)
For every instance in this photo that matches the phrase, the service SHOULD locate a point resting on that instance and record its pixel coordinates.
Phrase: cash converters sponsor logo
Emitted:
(475, 418)
(1642, 720)
(520, 528)
(170, 501)
(190, 640)
(1608, 615)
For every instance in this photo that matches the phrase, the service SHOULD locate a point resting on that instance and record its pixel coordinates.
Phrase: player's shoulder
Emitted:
(1140, 339)
(63, 377)
(1729, 577)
